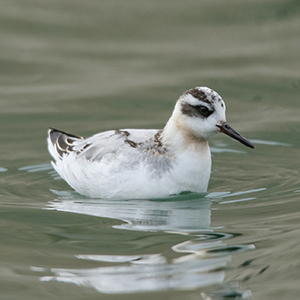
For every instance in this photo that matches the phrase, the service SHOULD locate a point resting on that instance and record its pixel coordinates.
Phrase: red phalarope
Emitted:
(142, 163)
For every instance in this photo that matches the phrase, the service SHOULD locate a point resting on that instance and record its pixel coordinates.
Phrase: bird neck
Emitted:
(176, 135)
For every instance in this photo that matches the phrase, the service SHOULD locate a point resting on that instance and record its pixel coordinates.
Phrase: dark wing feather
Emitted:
(62, 141)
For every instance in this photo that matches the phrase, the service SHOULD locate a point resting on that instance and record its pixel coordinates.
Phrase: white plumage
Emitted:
(140, 163)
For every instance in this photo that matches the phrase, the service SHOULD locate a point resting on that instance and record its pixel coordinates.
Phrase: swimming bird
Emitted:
(146, 163)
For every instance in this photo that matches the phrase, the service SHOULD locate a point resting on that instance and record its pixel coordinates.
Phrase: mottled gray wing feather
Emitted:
(98, 145)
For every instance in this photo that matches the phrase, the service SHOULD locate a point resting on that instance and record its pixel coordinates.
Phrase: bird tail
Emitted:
(61, 143)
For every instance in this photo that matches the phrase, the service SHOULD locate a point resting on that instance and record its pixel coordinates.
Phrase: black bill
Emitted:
(225, 128)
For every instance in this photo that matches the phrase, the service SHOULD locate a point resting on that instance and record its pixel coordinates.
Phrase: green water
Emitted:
(89, 66)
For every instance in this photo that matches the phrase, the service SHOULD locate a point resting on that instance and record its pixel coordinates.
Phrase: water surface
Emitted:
(90, 66)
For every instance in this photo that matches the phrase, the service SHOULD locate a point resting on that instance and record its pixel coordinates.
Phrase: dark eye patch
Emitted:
(196, 110)
(204, 111)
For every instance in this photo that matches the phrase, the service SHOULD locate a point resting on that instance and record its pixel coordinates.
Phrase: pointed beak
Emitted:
(225, 128)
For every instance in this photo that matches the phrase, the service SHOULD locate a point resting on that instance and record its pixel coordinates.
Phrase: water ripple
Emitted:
(197, 262)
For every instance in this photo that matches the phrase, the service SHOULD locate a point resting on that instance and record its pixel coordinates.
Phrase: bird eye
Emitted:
(204, 111)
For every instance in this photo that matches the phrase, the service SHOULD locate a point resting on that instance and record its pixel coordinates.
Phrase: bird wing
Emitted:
(97, 146)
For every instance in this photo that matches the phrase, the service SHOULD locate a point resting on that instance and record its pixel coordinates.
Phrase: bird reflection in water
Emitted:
(201, 258)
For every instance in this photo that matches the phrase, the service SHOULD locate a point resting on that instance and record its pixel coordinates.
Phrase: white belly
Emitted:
(188, 171)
